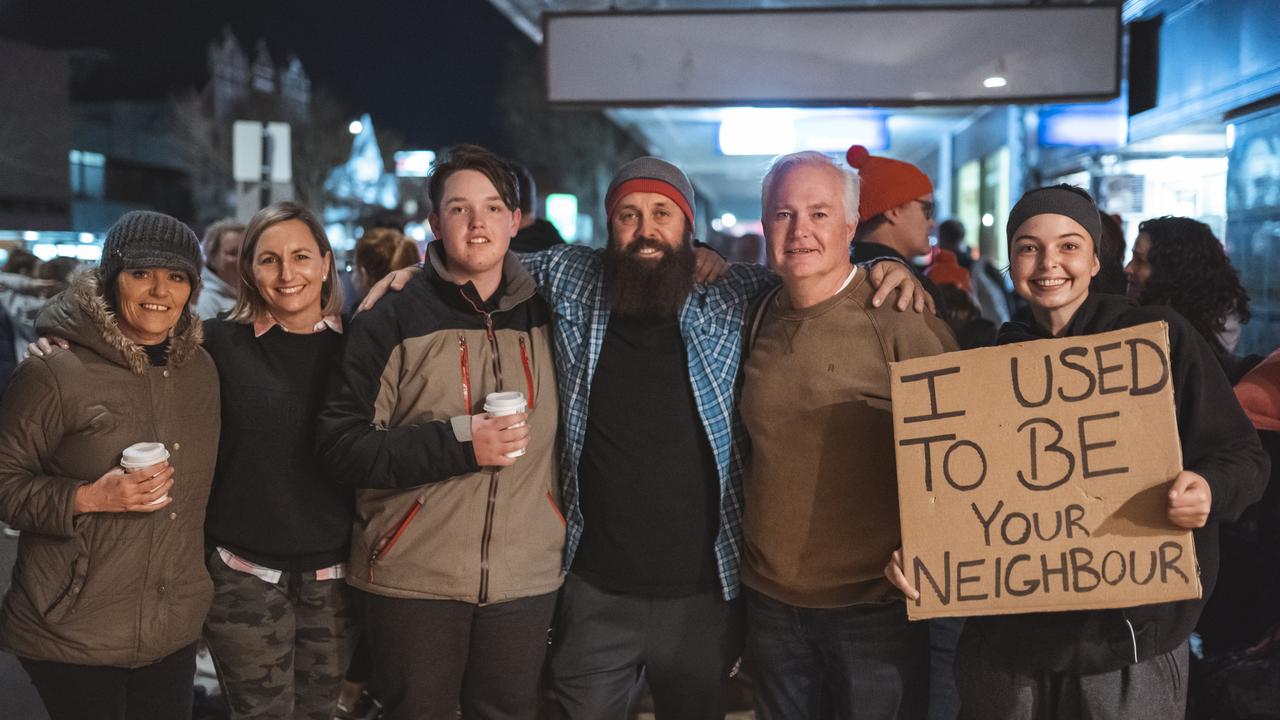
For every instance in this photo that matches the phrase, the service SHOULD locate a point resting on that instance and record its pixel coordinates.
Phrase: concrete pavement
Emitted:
(18, 699)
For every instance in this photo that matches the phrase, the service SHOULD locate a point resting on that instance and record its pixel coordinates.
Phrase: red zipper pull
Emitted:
(528, 374)
(466, 374)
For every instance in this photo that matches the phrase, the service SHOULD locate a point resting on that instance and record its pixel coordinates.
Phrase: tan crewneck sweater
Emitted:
(821, 496)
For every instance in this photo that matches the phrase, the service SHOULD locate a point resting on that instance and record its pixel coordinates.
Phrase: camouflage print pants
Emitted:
(280, 649)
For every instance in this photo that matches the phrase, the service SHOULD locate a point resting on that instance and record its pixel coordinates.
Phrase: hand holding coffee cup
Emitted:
(130, 488)
(500, 435)
(140, 457)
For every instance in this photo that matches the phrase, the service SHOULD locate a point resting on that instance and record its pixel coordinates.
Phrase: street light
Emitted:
(356, 127)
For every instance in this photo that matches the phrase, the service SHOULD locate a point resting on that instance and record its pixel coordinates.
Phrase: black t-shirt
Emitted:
(649, 488)
(271, 502)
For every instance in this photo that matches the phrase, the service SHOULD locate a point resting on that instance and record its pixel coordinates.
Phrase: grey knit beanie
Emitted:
(651, 174)
(1068, 200)
(145, 239)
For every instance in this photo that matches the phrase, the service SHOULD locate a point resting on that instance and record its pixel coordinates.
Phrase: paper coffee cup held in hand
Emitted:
(498, 404)
(141, 455)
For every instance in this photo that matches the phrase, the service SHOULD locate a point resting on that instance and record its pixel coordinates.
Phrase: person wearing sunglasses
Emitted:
(895, 217)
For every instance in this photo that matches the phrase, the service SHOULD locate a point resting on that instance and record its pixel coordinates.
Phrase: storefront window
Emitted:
(995, 206)
(1253, 231)
(968, 202)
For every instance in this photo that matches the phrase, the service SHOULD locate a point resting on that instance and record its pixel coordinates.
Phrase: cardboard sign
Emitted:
(1035, 476)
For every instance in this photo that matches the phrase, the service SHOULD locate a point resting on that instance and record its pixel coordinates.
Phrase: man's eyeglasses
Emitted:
(926, 207)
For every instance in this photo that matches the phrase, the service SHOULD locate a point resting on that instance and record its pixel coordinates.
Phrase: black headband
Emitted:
(1057, 200)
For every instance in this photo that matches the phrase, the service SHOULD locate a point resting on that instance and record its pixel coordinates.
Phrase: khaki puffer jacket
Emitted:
(115, 589)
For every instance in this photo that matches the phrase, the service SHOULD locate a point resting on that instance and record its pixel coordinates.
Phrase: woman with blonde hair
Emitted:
(278, 531)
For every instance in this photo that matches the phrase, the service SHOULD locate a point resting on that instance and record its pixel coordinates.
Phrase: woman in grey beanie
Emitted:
(110, 589)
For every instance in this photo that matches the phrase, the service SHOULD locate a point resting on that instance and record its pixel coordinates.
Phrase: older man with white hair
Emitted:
(821, 507)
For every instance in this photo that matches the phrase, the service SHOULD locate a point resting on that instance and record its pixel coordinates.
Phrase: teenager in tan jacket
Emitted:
(457, 541)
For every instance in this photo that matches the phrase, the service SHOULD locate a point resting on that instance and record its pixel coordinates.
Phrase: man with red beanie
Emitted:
(895, 216)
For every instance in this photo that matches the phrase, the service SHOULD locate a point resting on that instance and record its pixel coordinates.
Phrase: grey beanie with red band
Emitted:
(1067, 200)
(655, 175)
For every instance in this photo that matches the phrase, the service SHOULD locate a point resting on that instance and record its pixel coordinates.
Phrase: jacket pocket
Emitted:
(388, 540)
(66, 600)
(555, 507)
(533, 536)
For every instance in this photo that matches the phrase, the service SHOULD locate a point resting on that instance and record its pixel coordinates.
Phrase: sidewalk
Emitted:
(18, 698)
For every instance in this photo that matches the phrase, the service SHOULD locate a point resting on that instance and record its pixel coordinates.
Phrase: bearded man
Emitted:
(651, 466)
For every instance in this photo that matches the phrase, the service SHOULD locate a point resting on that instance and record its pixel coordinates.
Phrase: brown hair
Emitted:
(381, 250)
(474, 157)
(250, 303)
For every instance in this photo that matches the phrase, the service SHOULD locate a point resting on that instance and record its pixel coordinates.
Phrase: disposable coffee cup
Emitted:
(141, 455)
(506, 403)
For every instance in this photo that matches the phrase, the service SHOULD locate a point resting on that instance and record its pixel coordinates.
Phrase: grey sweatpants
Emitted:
(1153, 688)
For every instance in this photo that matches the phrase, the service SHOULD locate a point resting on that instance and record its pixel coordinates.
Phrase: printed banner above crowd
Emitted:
(1034, 477)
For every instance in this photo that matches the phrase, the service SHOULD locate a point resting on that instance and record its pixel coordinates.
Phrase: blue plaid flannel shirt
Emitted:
(571, 278)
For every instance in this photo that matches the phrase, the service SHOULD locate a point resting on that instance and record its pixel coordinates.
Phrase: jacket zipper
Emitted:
(488, 535)
(389, 540)
(491, 506)
(466, 373)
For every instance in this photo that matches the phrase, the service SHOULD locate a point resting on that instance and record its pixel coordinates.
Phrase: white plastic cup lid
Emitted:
(143, 454)
(504, 403)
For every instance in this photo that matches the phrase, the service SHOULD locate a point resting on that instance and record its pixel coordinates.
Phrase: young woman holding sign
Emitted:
(1132, 662)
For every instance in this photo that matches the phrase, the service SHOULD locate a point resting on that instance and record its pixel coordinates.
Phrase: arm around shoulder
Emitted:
(543, 264)
(752, 279)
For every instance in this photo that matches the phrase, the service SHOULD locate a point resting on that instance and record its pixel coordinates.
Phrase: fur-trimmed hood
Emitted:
(81, 316)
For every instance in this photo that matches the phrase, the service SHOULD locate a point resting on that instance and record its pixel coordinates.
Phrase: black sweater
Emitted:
(270, 503)
(1218, 442)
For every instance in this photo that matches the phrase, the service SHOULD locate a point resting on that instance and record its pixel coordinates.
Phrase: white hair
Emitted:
(783, 163)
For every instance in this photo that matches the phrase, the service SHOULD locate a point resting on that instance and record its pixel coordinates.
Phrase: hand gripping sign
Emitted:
(1034, 477)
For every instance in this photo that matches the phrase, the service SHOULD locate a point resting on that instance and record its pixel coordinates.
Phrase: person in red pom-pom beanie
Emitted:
(895, 212)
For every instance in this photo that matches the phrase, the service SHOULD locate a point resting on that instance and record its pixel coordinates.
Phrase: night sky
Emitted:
(427, 68)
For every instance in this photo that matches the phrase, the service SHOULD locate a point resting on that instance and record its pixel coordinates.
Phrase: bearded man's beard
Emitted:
(644, 287)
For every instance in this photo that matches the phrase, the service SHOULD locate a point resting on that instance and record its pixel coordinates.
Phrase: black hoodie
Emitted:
(1217, 441)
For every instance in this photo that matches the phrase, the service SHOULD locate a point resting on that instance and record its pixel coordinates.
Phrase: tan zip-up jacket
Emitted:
(429, 522)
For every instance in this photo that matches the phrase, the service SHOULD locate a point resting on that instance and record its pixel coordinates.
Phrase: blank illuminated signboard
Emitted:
(882, 56)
